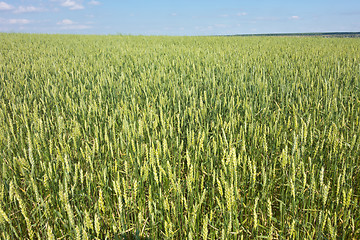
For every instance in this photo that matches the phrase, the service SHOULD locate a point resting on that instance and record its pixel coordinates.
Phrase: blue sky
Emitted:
(173, 17)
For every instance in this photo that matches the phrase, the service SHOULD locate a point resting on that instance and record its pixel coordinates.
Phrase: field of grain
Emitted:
(179, 137)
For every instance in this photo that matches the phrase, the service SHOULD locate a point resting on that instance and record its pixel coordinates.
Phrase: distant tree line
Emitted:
(327, 34)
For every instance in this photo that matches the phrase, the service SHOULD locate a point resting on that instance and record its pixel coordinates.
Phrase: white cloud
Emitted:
(5, 6)
(72, 5)
(67, 24)
(241, 14)
(94, 3)
(295, 17)
(20, 21)
(75, 27)
(78, 27)
(27, 9)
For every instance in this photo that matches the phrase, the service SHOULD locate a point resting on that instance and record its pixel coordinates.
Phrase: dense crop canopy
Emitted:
(179, 137)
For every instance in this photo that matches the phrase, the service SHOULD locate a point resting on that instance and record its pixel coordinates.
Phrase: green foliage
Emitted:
(113, 137)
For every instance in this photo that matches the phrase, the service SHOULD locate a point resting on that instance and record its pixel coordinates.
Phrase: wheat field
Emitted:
(144, 137)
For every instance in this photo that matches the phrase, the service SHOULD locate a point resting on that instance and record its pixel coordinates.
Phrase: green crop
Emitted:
(103, 137)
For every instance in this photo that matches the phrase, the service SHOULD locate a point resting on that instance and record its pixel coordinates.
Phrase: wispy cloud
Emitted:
(5, 6)
(19, 21)
(72, 5)
(76, 27)
(241, 14)
(295, 17)
(94, 3)
(67, 24)
(28, 9)
(216, 26)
